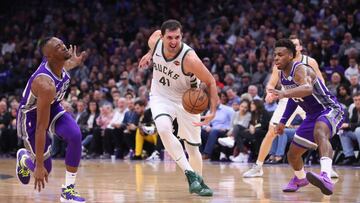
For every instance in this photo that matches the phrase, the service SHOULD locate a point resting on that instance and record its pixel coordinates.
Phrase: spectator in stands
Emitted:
(232, 96)
(219, 84)
(218, 127)
(253, 92)
(260, 75)
(333, 67)
(353, 68)
(344, 95)
(239, 122)
(87, 124)
(347, 45)
(334, 83)
(236, 105)
(351, 133)
(84, 89)
(239, 71)
(111, 139)
(145, 129)
(98, 97)
(80, 110)
(224, 99)
(255, 133)
(128, 130)
(354, 84)
(103, 120)
(124, 85)
(351, 26)
(229, 81)
(324, 52)
(245, 83)
(12, 133)
(206, 61)
(82, 73)
(5, 123)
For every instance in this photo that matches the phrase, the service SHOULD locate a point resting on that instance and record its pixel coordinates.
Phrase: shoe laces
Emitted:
(71, 190)
(191, 176)
(24, 172)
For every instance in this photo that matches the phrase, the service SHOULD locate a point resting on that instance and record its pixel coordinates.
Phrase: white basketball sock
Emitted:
(300, 174)
(326, 165)
(171, 143)
(259, 163)
(69, 178)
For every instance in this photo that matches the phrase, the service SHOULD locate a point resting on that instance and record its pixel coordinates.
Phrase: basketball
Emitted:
(195, 100)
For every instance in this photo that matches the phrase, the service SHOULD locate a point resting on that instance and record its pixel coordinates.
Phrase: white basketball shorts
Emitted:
(161, 106)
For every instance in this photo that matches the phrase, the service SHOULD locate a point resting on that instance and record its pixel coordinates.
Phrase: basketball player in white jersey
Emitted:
(256, 170)
(176, 68)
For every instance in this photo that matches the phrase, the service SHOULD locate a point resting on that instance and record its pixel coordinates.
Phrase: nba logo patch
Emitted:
(176, 63)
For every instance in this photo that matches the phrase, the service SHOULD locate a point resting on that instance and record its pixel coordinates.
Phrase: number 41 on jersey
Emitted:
(164, 81)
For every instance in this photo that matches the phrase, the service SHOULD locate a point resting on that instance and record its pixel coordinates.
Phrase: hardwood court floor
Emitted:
(140, 181)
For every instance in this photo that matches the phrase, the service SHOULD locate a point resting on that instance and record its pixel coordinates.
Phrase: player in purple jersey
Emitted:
(324, 116)
(41, 115)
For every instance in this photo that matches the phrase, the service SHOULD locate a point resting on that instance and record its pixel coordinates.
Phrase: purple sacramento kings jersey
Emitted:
(320, 100)
(321, 105)
(27, 107)
(60, 123)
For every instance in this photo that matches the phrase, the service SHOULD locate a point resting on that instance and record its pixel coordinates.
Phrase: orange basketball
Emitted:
(195, 100)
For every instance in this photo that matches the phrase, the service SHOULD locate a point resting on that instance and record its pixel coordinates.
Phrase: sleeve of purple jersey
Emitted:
(289, 110)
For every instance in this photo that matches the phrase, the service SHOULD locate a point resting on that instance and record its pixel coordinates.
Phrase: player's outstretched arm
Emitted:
(193, 64)
(315, 66)
(146, 59)
(75, 59)
(274, 78)
(44, 90)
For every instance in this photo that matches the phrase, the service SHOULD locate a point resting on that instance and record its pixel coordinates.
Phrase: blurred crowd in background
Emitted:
(108, 94)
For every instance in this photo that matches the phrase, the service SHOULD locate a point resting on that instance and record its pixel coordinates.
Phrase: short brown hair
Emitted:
(170, 25)
(291, 37)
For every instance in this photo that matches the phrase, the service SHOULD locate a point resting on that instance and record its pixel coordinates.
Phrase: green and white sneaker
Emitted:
(197, 185)
(205, 191)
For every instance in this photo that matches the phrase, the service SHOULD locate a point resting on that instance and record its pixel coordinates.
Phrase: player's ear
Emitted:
(47, 51)
(291, 54)
(48, 55)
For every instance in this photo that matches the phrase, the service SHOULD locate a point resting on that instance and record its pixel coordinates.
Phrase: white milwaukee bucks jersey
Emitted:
(169, 79)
